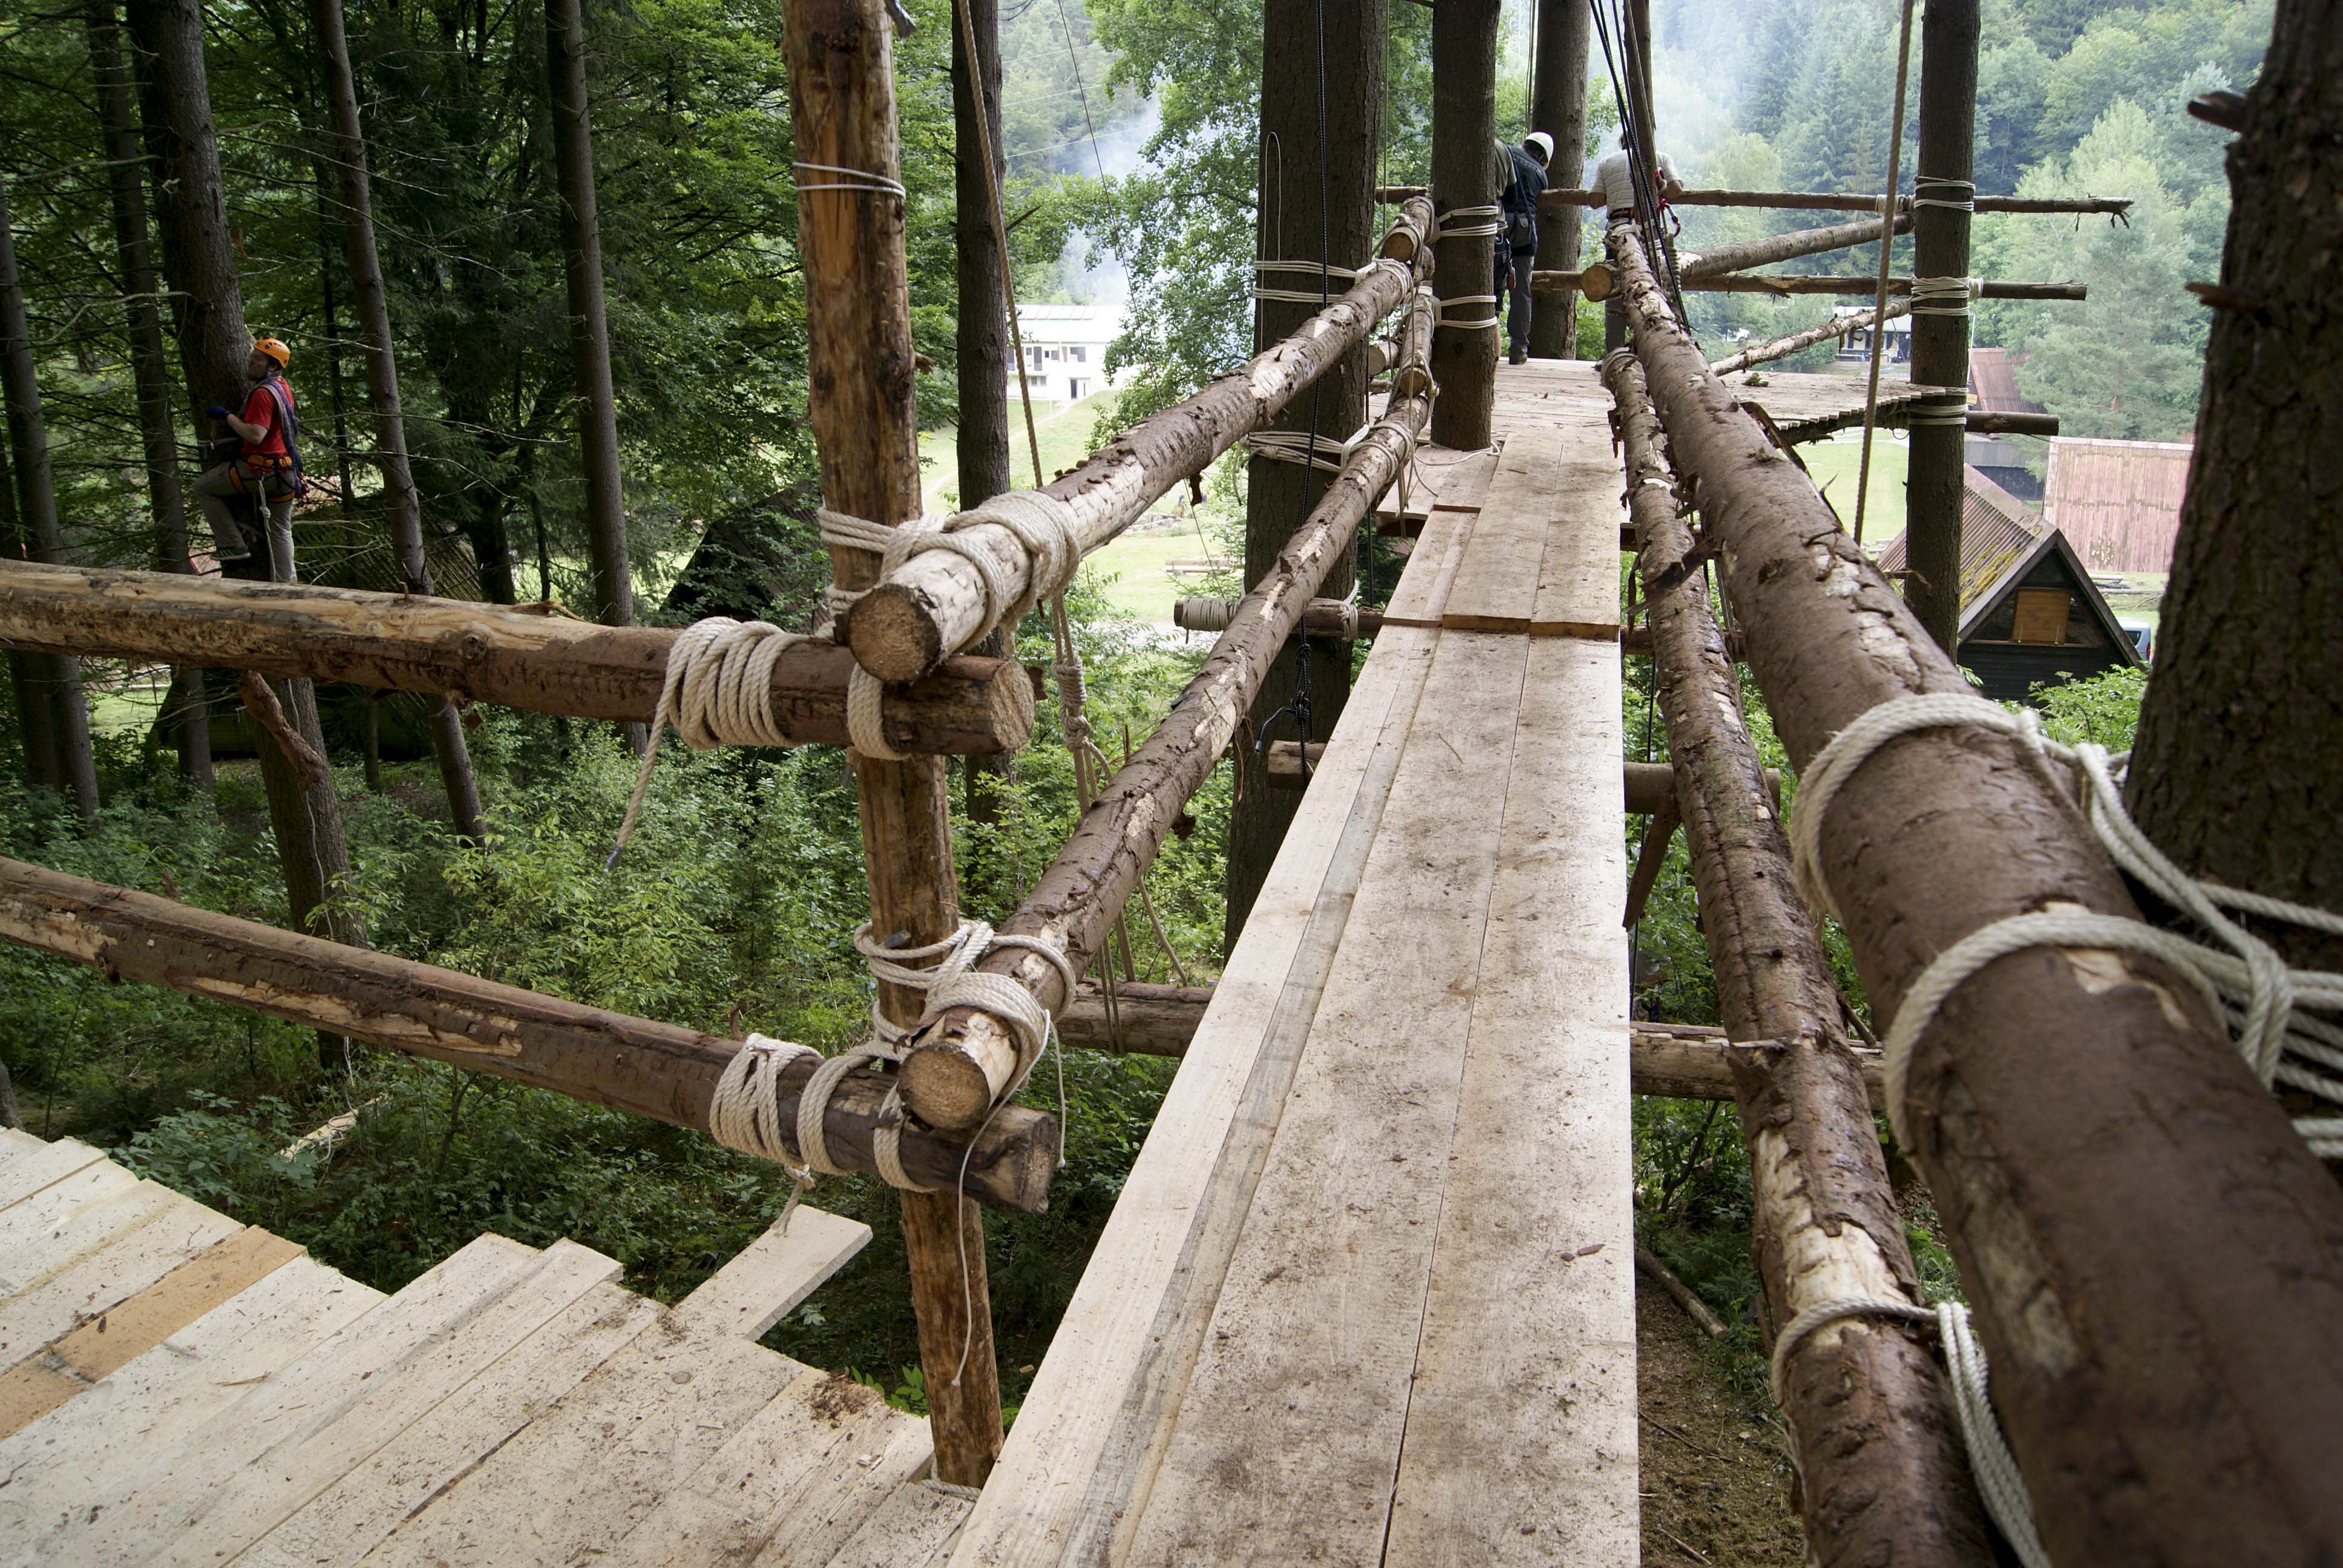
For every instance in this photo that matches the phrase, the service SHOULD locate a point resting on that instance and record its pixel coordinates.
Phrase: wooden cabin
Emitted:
(2030, 616)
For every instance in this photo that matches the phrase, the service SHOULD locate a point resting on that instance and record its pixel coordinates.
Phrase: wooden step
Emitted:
(916, 1527)
(773, 1274)
(31, 1170)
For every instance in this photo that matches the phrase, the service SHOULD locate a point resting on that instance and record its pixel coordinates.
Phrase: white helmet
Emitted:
(1541, 143)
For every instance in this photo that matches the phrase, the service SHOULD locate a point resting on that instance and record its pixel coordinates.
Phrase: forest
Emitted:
(1132, 143)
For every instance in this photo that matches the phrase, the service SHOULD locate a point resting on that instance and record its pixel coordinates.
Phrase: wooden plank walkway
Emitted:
(178, 1389)
(1368, 1295)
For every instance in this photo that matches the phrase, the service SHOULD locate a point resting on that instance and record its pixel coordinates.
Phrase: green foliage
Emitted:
(2103, 711)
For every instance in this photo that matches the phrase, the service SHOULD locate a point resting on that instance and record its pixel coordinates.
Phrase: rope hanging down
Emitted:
(2249, 986)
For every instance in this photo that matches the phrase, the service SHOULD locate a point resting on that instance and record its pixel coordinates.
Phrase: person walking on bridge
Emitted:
(1522, 182)
(267, 466)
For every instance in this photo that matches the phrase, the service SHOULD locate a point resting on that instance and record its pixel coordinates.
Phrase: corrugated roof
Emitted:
(2118, 502)
(2000, 534)
(1993, 383)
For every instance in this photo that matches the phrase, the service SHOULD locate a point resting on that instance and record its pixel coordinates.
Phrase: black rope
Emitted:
(1634, 134)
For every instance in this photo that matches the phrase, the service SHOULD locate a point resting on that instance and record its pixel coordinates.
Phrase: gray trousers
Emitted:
(1517, 310)
(217, 487)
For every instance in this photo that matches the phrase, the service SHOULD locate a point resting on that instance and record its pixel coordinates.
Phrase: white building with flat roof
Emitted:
(1065, 350)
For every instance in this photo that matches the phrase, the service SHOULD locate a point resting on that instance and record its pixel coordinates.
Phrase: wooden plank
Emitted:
(1431, 570)
(915, 1528)
(32, 1261)
(58, 1465)
(1464, 479)
(142, 1507)
(571, 1483)
(47, 1226)
(1496, 584)
(346, 1520)
(168, 1235)
(1289, 1433)
(39, 1169)
(1578, 577)
(239, 1494)
(834, 1515)
(16, 1144)
(1100, 1409)
(773, 1273)
(1521, 1425)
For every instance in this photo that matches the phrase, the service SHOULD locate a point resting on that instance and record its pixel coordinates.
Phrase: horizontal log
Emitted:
(1982, 422)
(603, 1057)
(957, 1068)
(934, 603)
(1787, 284)
(1647, 784)
(1329, 618)
(1851, 201)
(1678, 1061)
(475, 652)
(1766, 251)
(1636, 641)
(1797, 342)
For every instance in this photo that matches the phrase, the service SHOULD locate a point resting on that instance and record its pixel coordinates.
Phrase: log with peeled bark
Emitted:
(1985, 422)
(588, 1054)
(2147, 1245)
(1851, 201)
(1884, 1475)
(512, 657)
(959, 1065)
(1797, 342)
(1328, 618)
(1717, 260)
(933, 605)
(1785, 284)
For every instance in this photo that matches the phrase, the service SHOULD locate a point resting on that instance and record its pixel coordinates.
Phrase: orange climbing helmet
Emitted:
(275, 348)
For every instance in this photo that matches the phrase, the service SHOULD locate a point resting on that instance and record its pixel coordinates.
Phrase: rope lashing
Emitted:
(1955, 411)
(1303, 449)
(1962, 197)
(1944, 296)
(2249, 986)
(953, 980)
(1043, 526)
(1995, 1468)
(1468, 222)
(1299, 296)
(850, 180)
(745, 1114)
(1487, 322)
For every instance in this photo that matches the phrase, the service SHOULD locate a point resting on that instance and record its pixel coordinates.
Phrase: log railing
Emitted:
(1719, 260)
(1785, 284)
(965, 1059)
(2147, 1246)
(1813, 201)
(588, 1054)
(545, 663)
(934, 604)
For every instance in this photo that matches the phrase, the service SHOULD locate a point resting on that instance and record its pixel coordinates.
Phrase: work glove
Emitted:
(217, 412)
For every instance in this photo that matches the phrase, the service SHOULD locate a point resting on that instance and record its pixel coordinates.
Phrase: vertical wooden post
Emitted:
(1465, 174)
(1940, 339)
(983, 328)
(1299, 38)
(1558, 107)
(859, 328)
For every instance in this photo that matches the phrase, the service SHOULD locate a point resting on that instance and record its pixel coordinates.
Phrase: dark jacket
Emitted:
(1520, 200)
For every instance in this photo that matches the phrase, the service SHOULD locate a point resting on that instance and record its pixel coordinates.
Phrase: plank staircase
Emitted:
(177, 1388)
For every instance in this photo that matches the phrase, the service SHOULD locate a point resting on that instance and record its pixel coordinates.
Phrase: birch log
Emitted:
(1773, 247)
(588, 1054)
(1785, 284)
(1797, 342)
(933, 605)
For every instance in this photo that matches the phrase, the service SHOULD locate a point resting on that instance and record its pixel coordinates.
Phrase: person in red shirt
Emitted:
(267, 466)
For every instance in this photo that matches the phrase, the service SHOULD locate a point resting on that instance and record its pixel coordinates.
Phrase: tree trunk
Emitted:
(1314, 76)
(382, 390)
(1940, 335)
(28, 441)
(1558, 107)
(186, 712)
(30, 674)
(982, 329)
(2238, 771)
(207, 308)
(333, 344)
(589, 327)
(1465, 174)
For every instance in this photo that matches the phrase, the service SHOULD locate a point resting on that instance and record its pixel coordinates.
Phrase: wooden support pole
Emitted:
(483, 653)
(1464, 177)
(1695, 265)
(934, 603)
(866, 425)
(2099, 1211)
(961, 1064)
(1878, 1448)
(1328, 618)
(1984, 423)
(588, 1054)
(1565, 30)
(1785, 284)
(1936, 489)
(1842, 201)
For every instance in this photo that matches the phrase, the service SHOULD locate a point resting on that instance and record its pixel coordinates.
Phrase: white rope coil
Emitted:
(850, 180)
(1955, 411)
(2249, 986)
(1468, 222)
(1964, 198)
(1995, 1468)
(1471, 323)
(1044, 528)
(745, 1114)
(1300, 296)
(1944, 296)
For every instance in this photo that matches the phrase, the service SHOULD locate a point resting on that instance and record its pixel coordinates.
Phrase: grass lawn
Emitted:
(1835, 464)
(1065, 430)
(1131, 571)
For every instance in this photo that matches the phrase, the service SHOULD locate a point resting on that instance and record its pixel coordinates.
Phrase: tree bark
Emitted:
(934, 604)
(589, 327)
(1940, 340)
(958, 1067)
(1854, 201)
(1316, 205)
(2236, 771)
(30, 674)
(1787, 283)
(865, 421)
(513, 657)
(1465, 174)
(1884, 1475)
(983, 328)
(1797, 342)
(208, 311)
(588, 1054)
(1558, 107)
(186, 714)
(2115, 1219)
(1763, 251)
(37, 500)
(399, 496)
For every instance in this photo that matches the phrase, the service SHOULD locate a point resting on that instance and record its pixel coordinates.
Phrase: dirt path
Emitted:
(1715, 1473)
